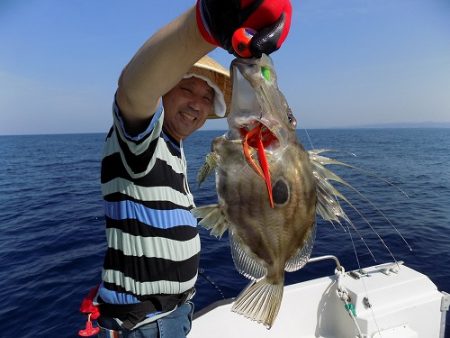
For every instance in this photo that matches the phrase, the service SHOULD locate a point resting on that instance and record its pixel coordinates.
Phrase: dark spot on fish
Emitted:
(280, 192)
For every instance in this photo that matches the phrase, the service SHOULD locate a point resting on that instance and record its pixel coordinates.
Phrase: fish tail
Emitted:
(260, 301)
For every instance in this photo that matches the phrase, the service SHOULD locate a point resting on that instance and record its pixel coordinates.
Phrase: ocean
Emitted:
(52, 238)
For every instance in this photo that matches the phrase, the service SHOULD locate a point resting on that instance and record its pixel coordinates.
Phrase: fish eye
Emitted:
(280, 192)
(292, 120)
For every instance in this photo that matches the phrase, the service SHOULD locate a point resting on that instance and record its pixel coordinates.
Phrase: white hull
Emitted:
(388, 300)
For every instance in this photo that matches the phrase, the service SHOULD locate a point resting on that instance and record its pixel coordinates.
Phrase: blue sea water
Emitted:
(52, 237)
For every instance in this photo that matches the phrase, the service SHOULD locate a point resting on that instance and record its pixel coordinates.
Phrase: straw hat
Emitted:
(217, 78)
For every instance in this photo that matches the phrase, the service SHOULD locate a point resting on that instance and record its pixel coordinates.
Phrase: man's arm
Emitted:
(163, 59)
(158, 66)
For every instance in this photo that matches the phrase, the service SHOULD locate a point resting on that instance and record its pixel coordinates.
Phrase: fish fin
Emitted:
(212, 218)
(208, 167)
(245, 264)
(297, 261)
(260, 302)
(328, 206)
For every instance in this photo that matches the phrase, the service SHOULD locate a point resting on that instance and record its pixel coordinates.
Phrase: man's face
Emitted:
(187, 106)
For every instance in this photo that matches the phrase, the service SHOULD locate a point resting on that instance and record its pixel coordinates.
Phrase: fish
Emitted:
(269, 189)
(266, 189)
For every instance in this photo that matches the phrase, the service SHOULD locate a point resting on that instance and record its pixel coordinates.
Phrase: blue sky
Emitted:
(345, 63)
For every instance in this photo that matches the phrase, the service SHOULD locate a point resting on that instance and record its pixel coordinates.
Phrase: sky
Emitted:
(345, 63)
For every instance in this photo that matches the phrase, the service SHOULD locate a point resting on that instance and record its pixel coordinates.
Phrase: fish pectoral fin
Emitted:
(244, 263)
(299, 260)
(208, 167)
(212, 218)
(260, 302)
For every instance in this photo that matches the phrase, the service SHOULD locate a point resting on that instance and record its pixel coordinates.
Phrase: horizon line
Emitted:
(427, 125)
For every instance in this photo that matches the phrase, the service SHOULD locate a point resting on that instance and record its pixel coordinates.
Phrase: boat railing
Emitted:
(339, 267)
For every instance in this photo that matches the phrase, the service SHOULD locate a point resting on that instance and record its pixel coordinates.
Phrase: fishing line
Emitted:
(350, 226)
(364, 170)
(362, 280)
(210, 281)
(309, 138)
(371, 227)
(331, 176)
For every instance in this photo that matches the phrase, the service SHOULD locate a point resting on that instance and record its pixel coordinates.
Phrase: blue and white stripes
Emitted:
(153, 242)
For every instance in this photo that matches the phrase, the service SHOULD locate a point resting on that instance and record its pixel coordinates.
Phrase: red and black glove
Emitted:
(219, 19)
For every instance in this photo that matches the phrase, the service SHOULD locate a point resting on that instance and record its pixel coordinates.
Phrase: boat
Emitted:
(382, 301)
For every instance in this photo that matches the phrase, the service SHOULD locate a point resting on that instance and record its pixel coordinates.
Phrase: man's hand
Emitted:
(219, 19)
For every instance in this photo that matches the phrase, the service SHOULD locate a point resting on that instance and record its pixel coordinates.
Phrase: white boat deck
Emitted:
(387, 301)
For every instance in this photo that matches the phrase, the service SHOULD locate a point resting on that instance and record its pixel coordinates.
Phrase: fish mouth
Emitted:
(259, 137)
(255, 132)
(254, 117)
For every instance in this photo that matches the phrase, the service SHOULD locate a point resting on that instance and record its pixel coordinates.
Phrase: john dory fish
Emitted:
(268, 189)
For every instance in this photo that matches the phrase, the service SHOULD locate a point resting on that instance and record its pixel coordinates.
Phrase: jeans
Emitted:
(175, 325)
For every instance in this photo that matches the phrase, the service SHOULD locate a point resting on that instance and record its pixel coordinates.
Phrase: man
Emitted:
(150, 266)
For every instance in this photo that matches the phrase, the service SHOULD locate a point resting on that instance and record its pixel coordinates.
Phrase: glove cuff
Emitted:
(202, 24)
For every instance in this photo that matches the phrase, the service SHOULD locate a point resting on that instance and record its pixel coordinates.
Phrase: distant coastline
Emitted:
(404, 125)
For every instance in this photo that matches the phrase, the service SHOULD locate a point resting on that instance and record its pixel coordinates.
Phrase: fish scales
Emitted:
(276, 227)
